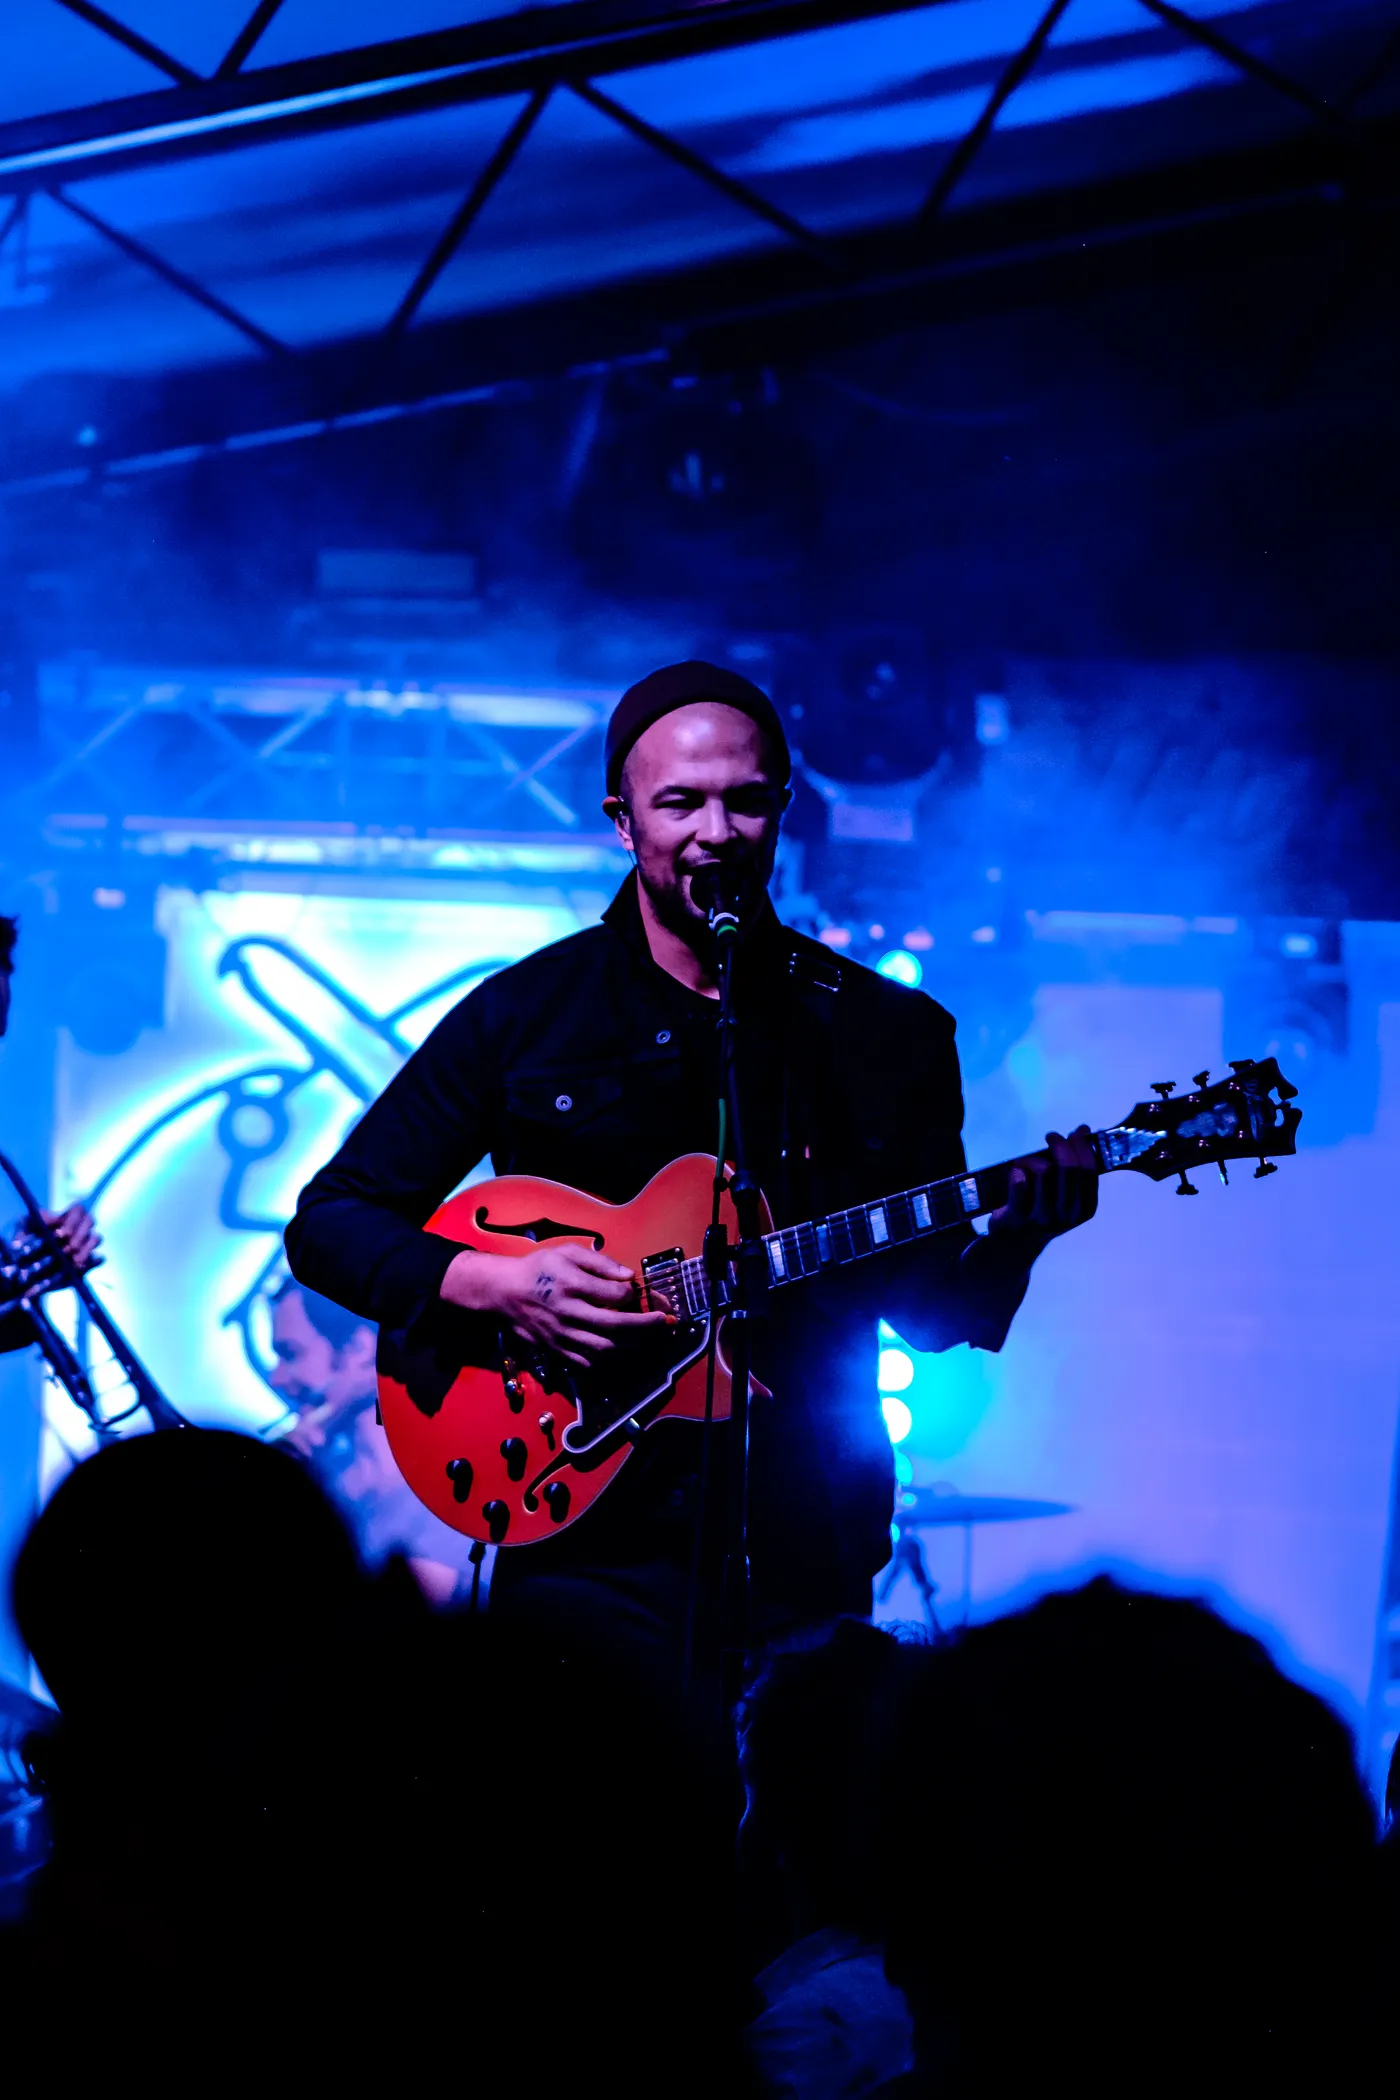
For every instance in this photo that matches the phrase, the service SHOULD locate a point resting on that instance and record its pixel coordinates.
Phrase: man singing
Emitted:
(593, 1063)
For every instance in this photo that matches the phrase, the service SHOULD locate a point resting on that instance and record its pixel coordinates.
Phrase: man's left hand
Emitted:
(1051, 1194)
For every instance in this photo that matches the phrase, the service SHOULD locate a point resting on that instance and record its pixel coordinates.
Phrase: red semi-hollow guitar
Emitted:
(520, 1448)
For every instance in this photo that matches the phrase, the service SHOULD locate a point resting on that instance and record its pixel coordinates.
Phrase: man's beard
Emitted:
(673, 908)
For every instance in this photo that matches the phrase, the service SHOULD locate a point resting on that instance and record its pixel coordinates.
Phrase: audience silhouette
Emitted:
(302, 1820)
(1123, 1853)
(304, 1824)
(812, 1737)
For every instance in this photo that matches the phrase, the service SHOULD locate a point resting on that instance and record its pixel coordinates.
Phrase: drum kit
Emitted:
(917, 1509)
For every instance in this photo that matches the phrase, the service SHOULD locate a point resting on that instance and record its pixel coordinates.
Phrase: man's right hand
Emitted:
(569, 1299)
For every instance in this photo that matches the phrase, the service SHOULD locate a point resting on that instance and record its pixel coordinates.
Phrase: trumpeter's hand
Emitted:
(80, 1238)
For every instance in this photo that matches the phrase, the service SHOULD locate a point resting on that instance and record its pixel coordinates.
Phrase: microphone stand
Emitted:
(746, 1274)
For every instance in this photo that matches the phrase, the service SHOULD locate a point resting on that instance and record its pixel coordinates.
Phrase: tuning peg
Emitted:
(1223, 1175)
(1265, 1166)
(1241, 1064)
(1200, 1078)
(1185, 1187)
(1164, 1087)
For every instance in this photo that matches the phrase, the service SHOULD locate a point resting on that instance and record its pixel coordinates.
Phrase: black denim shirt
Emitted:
(588, 1064)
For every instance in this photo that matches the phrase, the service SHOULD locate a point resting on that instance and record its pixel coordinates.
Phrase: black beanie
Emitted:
(680, 685)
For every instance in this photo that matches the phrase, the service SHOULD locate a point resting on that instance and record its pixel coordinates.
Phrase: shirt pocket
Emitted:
(564, 1101)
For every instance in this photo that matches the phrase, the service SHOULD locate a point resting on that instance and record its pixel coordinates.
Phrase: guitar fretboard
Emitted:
(850, 1235)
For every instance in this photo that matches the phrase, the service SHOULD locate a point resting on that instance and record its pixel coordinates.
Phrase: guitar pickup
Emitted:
(655, 1268)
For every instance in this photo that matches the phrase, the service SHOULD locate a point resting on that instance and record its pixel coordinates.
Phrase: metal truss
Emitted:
(496, 752)
(768, 307)
(539, 51)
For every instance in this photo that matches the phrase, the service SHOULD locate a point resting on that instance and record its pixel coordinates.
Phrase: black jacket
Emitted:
(588, 1064)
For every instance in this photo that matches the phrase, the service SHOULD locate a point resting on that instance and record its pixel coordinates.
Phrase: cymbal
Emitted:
(921, 1506)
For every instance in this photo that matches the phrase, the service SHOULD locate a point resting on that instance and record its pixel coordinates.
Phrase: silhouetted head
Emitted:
(811, 1735)
(1122, 1844)
(167, 1573)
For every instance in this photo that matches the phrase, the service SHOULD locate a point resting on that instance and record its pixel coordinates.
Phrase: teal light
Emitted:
(898, 1420)
(934, 1400)
(903, 967)
(896, 1371)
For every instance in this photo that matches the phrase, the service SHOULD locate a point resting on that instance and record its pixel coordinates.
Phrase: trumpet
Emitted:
(37, 1262)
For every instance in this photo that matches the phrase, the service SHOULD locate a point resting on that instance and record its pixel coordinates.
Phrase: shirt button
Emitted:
(663, 1035)
(563, 1102)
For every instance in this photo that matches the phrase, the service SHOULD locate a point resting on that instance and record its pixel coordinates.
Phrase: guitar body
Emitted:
(519, 1449)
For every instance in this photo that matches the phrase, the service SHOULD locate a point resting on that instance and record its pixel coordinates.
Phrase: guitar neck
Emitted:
(913, 1214)
(889, 1221)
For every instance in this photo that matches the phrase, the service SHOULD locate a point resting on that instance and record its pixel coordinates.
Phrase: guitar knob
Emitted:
(547, 1429)
(459, 1472)
(514, 1453)
(557, 1498)
(497, 1521)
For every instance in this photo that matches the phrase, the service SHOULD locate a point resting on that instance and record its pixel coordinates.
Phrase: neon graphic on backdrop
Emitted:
(254, 1122)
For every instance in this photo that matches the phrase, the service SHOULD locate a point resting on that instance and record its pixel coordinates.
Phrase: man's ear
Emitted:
(615, 809)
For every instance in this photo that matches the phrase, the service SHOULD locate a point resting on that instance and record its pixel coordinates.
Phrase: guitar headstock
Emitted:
(1248, 1116)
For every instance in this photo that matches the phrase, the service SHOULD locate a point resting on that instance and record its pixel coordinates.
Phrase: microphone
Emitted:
(722, 893)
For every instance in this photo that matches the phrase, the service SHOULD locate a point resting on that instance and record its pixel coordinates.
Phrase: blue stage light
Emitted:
(898, 1420)
(896, 1372)
(903, 967)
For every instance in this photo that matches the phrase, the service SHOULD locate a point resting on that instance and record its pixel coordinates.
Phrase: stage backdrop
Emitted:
(1211, 1383)
(286, 1013)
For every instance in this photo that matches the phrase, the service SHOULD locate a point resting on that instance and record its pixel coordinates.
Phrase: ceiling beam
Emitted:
(241, 47)
(695, 164)
(521, 52)
(131, 40)
(468, 211)
(777, 306)
(971, 144)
